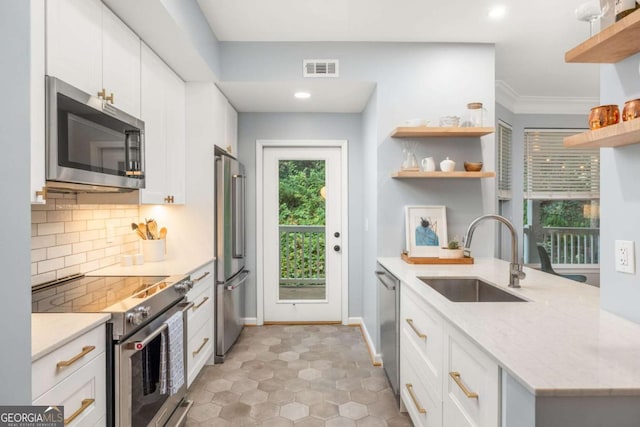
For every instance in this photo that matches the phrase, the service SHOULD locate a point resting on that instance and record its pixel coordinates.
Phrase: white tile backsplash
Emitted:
(58, 251)
(49, 228)
(68, 238)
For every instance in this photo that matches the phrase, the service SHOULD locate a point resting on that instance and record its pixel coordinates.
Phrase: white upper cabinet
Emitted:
(120, 63)
(231, 129)
(37, 93)
(74, 43)
(175, 165)
(163, 112)
(91, 49)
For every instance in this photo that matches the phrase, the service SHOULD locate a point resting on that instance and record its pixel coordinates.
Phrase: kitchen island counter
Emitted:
(558, 343)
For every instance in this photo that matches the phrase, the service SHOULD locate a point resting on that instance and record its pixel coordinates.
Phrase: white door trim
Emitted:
(261, 144)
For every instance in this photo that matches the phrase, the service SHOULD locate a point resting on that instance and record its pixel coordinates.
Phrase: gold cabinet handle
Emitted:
(465, 390)
(206, 340)
(195, 307)
(168, 199)
(415, 399)
(103, 94)
(206, 273)
(85, 350)
(418, 333)
(85, 404)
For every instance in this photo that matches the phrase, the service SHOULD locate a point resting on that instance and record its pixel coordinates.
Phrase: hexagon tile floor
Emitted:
(316, 375)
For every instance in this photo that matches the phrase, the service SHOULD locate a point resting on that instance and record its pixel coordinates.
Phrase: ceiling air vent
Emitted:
(320, 68)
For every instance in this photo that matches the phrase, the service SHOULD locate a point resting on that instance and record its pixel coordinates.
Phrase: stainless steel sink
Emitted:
(469, 290)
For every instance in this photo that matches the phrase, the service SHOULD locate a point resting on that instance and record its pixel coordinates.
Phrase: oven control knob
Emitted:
(139, 315)
(184, 286)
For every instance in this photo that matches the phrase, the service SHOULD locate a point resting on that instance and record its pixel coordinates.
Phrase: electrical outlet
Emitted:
(625, 256)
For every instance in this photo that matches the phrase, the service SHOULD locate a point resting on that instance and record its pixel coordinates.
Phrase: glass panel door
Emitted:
(302, 235)
(302, 207)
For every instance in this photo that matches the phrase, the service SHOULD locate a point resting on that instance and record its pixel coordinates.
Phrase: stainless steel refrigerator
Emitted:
(229, 251)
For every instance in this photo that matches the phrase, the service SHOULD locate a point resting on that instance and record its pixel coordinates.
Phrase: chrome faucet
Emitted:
(515, 268)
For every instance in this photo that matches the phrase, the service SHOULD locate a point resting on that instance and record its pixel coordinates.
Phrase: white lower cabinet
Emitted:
(471, 393)
(200, 318)
(446, 380)
(74, 376)
(421, 399)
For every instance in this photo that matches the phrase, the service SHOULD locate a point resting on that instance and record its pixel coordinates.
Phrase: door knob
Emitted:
(336, 234)
(336, 248)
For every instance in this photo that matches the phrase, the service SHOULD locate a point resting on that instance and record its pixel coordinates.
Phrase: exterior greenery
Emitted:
(302, 253)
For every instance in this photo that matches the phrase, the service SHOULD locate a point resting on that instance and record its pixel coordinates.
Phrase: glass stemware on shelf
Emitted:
(591, 12)
(409, 160)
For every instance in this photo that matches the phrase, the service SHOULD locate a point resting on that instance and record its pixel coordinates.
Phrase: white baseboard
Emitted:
(377, 357)
(250, 321)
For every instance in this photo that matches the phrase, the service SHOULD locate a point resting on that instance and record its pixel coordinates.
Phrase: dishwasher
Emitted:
(388, 313)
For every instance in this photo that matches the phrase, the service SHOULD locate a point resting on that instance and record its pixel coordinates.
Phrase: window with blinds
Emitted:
(554, 172)
(504, 161)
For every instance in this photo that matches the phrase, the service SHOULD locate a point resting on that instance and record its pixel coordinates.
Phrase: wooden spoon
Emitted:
(163, 236)
(143, 229)
(152, 228)
(141, 234)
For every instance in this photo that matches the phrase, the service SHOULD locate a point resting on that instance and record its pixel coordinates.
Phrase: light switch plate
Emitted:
(625, 256)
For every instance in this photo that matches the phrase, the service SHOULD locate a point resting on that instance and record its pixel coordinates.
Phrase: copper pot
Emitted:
(631, 110)
(604, 115)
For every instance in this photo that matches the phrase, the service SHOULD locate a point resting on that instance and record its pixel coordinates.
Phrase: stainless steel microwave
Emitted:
(90, 145)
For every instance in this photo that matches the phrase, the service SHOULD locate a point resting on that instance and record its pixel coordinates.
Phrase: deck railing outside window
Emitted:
(302, 254)
(572, 245)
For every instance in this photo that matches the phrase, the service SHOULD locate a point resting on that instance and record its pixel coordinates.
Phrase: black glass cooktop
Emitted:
(91, 294)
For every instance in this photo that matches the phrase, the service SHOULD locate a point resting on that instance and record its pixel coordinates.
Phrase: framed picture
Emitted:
(426, 230)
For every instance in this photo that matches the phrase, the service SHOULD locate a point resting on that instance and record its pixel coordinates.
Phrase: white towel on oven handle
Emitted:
(172, 355)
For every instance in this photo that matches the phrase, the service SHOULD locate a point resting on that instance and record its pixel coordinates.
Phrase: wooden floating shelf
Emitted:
(426, 131)
(618, 135)
(408, 260)
(613, 44)
(439, 174)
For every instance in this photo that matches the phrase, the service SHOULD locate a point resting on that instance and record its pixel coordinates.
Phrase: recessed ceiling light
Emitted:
(302, 95)
(497, 12)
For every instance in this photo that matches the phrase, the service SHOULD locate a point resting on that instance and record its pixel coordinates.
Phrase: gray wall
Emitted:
(189, 15)
(413, 80)
(15, 216)
(256, 126)
(620, 196)
(370, 214)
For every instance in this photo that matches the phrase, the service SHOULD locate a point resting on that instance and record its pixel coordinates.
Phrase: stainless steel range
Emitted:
(142, 309)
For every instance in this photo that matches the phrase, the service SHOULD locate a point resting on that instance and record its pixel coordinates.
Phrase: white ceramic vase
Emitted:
(451, 253)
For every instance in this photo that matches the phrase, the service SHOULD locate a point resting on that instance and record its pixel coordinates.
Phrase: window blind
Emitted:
(554, 172)
(504, 161)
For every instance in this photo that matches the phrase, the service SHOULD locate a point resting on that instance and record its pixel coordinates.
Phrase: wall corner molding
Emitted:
(519, 104)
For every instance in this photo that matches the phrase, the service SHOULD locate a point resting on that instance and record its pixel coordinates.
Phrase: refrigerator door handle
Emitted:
(238, 216)
(238, 281)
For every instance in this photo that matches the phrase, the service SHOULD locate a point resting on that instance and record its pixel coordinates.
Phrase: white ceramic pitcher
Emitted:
(428, 164)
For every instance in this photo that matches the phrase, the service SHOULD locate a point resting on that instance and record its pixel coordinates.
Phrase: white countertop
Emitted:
(171, 266)
(50, 331)
(560, 343)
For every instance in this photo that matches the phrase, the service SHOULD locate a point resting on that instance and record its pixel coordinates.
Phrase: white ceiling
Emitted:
(530, 41)
(337, 96)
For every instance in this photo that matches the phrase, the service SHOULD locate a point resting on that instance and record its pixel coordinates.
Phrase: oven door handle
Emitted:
(139, 345)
